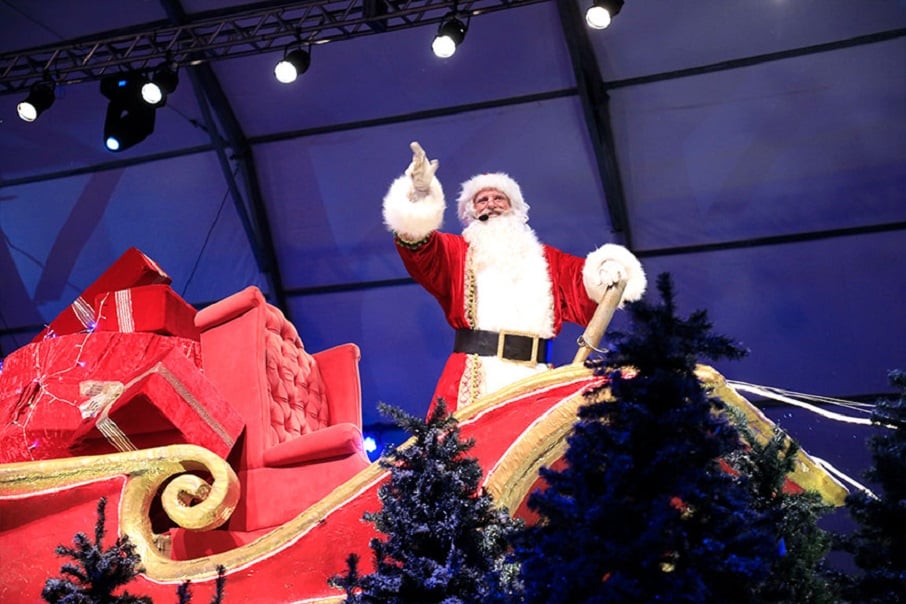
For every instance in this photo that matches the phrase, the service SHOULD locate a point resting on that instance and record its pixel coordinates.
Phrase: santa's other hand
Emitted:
(611, 273)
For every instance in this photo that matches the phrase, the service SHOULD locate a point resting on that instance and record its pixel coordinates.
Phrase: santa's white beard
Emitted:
(512, 288)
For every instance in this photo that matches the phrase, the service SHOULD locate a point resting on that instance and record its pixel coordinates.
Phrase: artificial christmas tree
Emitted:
(878, 544)
(184, 591)
(798, 574)
(445, 540)
(645, 510)
(97, 573)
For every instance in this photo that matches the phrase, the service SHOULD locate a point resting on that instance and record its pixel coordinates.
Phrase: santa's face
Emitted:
(490, 203)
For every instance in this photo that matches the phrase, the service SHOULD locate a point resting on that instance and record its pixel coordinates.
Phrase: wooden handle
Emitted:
(599, 321)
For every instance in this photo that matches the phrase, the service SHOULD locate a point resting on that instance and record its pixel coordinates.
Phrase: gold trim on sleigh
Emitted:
(509, 481)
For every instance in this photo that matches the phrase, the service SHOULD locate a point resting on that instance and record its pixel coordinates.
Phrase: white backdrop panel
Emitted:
(805, 144)
(822, 317)
(64, 233)
(656, 37)
(325, 191)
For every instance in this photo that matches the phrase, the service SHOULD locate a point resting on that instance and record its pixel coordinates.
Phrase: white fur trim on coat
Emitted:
(632, 269)
(413, 220)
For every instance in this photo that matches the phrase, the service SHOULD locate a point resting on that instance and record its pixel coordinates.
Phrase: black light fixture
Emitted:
(294, 63)
(155, 90)
(600, 13)
(39, 99)
(450, 34)
(129, 118)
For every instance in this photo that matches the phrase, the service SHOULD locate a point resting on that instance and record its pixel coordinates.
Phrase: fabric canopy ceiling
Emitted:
(755, 150)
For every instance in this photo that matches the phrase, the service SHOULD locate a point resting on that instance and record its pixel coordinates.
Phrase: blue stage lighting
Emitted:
(370, 444)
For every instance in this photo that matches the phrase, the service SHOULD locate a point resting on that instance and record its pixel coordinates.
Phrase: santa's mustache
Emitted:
(483, 217)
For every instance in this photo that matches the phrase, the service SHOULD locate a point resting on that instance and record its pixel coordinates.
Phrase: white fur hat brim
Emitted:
(497, 180)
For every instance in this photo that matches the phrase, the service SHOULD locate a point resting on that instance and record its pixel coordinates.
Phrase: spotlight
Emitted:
(129, 118)
(155, 90)
(39, 99)
(123, 86)
(127, 124)
(292, 64)
(450, 34)
(600, 13)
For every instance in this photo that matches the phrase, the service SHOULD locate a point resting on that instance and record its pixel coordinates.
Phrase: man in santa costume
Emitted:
(505, 293)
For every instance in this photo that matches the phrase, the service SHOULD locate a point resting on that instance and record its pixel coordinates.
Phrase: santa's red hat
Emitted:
(497, 180)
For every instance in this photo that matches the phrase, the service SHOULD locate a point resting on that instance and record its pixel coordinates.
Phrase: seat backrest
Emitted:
(298, 403)
(255, 357)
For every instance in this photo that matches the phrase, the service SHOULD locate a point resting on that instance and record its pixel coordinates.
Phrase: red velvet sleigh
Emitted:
(303, 481)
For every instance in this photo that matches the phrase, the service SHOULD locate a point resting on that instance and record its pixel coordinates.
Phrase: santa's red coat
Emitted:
(438, 265)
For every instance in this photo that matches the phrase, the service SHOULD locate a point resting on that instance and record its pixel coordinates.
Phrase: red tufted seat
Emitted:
(297, 404)
(303, 434)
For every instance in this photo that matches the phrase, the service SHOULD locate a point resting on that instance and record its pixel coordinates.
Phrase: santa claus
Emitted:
(505, 293)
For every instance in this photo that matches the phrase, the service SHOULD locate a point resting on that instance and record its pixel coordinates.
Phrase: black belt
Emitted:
(510, 346)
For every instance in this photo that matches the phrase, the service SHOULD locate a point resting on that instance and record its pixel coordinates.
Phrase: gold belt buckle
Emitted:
(501, 339)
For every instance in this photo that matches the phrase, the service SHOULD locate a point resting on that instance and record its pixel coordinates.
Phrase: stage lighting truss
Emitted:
(294, 63)
(450, 34)
(39, 99)
(599, 14)
(239, 30)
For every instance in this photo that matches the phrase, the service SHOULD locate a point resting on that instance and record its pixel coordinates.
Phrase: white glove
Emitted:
(607, 266)
(421, 171)
(611, 272)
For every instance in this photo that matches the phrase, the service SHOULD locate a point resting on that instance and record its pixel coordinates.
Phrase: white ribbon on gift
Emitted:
(83, 312)
(105, 394)
(124, 317)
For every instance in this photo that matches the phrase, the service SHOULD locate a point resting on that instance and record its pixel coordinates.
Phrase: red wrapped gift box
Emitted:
(41, 383)
(148, 308)
(131, 269)
(170, 403)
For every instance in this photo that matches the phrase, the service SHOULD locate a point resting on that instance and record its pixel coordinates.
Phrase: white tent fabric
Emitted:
(759, 155)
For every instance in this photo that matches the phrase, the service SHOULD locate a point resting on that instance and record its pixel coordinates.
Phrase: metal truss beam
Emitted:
(242, 31)
(596, 106)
